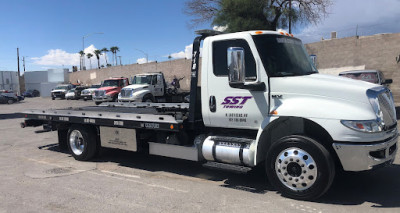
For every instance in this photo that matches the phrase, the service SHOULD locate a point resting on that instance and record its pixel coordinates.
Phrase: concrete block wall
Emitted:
(179, 68)
(376, 52)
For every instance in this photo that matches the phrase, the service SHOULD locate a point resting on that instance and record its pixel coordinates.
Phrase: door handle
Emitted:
(213, 106)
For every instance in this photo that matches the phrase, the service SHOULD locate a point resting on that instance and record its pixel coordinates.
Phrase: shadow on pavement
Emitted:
(11, 116)
(380, 187)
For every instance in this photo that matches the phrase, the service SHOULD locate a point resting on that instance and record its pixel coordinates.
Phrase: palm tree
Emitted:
(82, 54)
(114, 50)
(105, 50)
(98, 53)
(89, 55)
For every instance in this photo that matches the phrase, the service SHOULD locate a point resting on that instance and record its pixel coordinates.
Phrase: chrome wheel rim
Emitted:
(76, 142)
(296, 169)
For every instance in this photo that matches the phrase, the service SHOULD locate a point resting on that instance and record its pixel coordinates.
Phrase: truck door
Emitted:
(159, 85)
(233, 107)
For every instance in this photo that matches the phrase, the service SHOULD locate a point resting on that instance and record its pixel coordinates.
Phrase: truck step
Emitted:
(227, 167)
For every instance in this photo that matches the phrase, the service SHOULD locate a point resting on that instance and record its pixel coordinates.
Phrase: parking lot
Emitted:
(36, 177)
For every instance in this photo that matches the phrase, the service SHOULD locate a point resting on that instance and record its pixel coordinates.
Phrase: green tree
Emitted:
(89, 55)
(82, 58)
(114, 50)
(97, 53)
(105, 50)
(242, 15)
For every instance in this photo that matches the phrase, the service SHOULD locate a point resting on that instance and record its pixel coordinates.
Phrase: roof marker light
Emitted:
(282, 33)
(258, 32)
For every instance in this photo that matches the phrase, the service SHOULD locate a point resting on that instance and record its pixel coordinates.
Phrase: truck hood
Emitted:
(321, 85)
(137, 86)
(108, 89)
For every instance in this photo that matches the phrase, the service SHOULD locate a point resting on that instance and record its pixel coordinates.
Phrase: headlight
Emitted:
(376, 107)
(364, 126)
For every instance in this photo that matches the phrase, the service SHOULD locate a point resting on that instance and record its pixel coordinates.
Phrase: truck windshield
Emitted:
(144, 79)
(110, 83)
(283, 56)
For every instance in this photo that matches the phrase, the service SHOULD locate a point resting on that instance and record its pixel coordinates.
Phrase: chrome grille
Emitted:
(387, 107)
(99, 93)
(126, 93)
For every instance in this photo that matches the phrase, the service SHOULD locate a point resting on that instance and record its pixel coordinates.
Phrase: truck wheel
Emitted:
(53, 98)
(97, 103)
(82, 142)
(148, 99)
(299, 167)
(10, 101)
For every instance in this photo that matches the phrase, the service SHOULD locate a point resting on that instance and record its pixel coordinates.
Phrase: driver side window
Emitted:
(220, 58)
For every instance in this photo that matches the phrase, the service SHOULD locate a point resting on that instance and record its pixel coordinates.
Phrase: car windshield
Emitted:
(364, 76)
(143, 79)
(110, 83)
(61, 87)
(283, 56)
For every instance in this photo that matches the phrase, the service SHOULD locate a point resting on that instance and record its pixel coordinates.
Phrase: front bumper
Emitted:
(102, 99)
(129, 100)
(366, 156)
(58, 95)
(86, 97)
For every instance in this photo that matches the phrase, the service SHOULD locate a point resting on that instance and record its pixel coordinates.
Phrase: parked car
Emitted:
(7, 99)
(78, 91)
(61, 90)
(31, 93)
(372, 76)
(20, 97)
(10, 94)
(87, 94)
(70, 94)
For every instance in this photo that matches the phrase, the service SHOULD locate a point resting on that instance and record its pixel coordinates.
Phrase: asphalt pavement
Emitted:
(35, 176)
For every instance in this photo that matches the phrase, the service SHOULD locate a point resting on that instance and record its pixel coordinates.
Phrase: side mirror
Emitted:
(388, 81)
(236, 67)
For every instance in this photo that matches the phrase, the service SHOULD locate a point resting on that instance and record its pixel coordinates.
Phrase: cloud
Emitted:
(220, 28)
(59, 57)
(187, 53)
(371, 16)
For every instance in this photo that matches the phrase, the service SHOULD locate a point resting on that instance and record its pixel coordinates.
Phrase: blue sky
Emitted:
(50, 32)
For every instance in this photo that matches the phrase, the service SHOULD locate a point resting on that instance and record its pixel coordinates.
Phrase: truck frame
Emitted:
(258, 110)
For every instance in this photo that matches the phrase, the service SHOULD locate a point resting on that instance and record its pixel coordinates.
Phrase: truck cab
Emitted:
(110, 89)
(145, 87)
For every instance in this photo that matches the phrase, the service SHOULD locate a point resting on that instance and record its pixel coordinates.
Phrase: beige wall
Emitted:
(377, 52)
(180, 68)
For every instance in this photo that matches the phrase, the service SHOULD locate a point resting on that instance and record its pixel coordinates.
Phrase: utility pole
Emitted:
(120, 61)
(19, 74)
(290, 16)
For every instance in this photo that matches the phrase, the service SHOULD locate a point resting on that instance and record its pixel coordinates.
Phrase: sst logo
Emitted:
(236, 102)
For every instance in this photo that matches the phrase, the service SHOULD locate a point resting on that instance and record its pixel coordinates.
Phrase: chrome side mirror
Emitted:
(236, 67)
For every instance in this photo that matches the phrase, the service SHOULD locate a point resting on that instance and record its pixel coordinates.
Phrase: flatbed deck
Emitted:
(158, 116)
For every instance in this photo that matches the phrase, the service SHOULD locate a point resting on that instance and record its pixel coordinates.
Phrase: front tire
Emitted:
(300, 167)
(82, 142)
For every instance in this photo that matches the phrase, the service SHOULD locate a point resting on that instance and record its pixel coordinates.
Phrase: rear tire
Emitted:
(97, 103)
(300, 167)
(82, 142)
